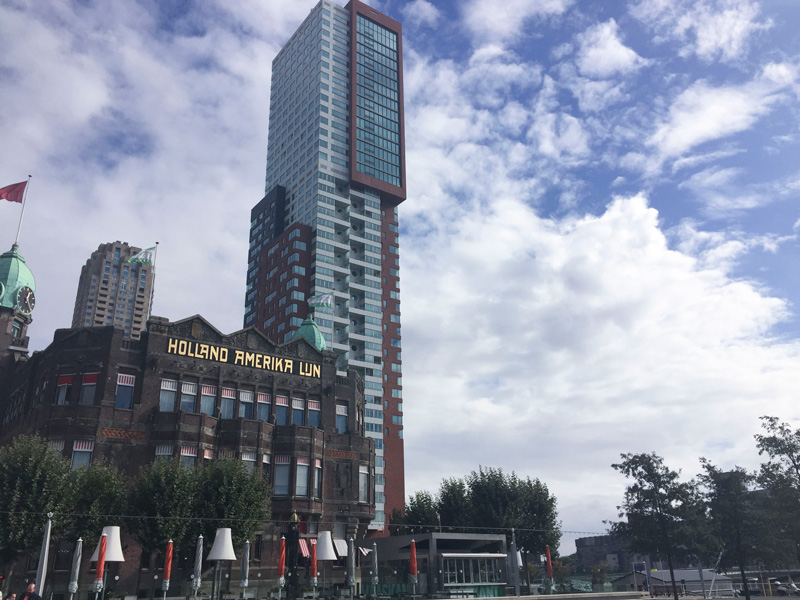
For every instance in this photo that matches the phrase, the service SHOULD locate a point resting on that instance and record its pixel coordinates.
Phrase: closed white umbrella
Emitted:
(76, 567)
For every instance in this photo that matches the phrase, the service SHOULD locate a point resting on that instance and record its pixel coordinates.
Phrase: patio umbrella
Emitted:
(282, 561)
(351, 563)
(412, 564)
(41, 572)
(76, 567)
(549, 566)
(167, 569)
(375, 566)
(313, 563)
(198, 565)
(101, 564)
(245, 565)
(513, 564)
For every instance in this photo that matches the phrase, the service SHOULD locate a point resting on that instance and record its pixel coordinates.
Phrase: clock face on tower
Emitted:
(26, 300)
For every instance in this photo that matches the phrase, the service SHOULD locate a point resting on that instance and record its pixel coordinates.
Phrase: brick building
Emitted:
(185, 389)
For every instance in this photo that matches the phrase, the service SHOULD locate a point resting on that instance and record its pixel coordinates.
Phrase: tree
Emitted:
(230, 495)
(505, 501)
(420, 514)
(34, 481)
(162, 505)
(663, 514)
(487, 500)
(99, 491)
(780, 476)
(735, 523)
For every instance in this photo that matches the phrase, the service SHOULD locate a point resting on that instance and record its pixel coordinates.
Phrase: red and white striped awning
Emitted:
(83, 445)
(304, 548)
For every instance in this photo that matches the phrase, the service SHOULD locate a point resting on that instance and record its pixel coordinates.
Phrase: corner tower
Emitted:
(17, 301)
(328, 222)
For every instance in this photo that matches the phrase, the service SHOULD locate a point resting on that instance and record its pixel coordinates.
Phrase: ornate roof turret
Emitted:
(309, 331)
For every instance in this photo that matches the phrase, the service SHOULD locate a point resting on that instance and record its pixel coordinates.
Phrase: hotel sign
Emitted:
(242, 358)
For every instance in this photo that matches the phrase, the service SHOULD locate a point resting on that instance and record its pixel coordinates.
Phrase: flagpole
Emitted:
(153, 287)
(24, 197)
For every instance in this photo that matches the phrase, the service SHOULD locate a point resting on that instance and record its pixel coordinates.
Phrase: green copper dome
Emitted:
(310, 332)
(14, 274)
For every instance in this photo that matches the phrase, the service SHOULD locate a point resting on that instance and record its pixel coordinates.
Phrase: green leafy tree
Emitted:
(419, 514)
(99, 492)
(161, 505)
(662, 514)
(488, 500)
(453, 503)
(34, 481)
(230, 495)
(502, 501)
(737, 520)
(780, 476)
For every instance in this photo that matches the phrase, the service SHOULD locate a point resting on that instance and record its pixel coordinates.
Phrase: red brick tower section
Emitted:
(392, 366)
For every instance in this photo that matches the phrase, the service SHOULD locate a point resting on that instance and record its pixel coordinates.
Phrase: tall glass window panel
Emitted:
(246, 404)
(298, 411)
(62, 391)
(169, 392)
(301, 481)
(88, 386)
(188, 397)
(341, 418)
(228, 403)
(317, 478)
(281, 410)
(314, 413)
(208, 398)
(280, 475)
(363, 483)
(263, 401)
(124, 395)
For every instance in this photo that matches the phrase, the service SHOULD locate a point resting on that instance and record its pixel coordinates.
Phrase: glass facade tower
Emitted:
(328, 222)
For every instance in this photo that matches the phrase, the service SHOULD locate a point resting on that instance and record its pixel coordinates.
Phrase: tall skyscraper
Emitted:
(328, 222)
(112, 291)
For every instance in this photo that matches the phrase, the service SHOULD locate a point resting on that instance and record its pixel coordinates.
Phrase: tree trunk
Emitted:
(672, 576)
(745, 587)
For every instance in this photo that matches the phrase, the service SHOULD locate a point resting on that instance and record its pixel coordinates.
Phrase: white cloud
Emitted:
(491, 21)
(421, 12)
(710, 29)
(587, 337)
(703, 112)
(603, 55)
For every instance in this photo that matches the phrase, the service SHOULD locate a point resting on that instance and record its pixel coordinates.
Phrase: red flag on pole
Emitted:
(549, 562)
(13, 192)
(282, 558)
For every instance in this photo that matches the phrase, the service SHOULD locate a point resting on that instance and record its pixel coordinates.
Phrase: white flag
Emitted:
(146, 256)
(321, 300)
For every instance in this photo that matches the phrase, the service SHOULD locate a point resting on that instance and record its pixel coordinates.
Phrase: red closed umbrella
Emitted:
(101, 563)
(282, 558)
(549, 562)
(412, 561)
(167, 568)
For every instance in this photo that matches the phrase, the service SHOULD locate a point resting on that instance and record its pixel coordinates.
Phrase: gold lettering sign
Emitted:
(254, 360)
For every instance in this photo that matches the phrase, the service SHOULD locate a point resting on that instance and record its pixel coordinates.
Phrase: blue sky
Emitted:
(599, 246)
